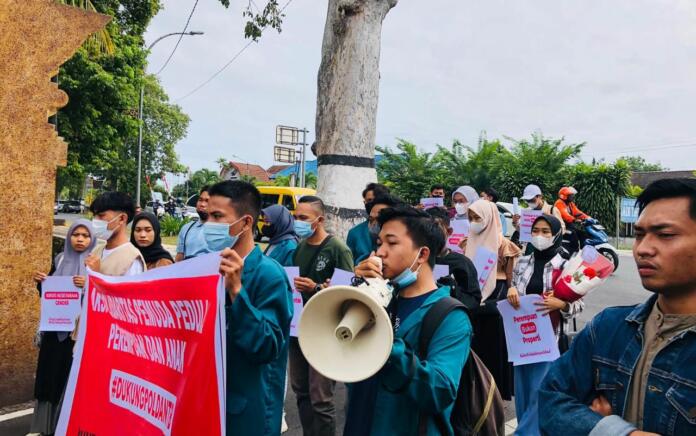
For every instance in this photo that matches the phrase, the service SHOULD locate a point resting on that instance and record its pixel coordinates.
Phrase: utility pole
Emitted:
(140, 112)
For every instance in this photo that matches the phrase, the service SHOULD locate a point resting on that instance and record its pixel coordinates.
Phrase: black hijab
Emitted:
(154, 251)
(546, 255)
(542, 257)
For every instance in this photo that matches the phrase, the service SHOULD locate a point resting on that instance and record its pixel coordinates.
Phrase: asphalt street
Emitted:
(623, 288)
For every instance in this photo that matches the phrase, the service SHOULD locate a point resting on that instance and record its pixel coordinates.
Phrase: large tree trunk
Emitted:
(348, 90)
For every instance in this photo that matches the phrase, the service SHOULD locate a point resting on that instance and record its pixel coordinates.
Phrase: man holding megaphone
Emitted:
(410, 390)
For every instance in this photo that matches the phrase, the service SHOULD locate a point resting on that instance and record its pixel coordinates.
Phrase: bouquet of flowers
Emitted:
(581, 274)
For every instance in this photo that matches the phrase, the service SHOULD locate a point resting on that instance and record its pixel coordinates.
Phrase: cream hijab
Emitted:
(491, 237)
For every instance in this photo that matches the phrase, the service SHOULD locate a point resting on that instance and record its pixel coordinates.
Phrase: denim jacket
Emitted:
(601, 360)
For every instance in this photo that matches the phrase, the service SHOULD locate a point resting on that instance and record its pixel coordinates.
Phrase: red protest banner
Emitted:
(149, 358)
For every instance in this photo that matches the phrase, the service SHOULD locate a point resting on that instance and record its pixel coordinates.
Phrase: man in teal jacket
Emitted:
(258, 312)
(360, 240)
(408, 387)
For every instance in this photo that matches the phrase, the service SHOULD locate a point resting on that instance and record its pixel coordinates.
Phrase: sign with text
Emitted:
(526, 222)
(431, 202)
(293, 272)
(460, 231)
(150, 354)
(60, 304)
(485, 264)
(629, 210)
(528, 334)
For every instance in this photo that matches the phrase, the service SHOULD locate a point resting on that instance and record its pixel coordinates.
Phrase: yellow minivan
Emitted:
(284, 195)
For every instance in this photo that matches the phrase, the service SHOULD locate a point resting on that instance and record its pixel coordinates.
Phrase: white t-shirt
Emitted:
(135, 268)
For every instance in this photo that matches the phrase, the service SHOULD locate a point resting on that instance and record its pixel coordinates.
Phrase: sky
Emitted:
(619, 75)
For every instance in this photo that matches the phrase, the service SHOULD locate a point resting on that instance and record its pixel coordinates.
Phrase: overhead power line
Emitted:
(188, 20)
(224, 67)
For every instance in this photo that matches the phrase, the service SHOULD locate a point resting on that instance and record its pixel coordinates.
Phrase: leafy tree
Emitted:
(464, 165)
(637, 163)
(194, 184)
(539, 160)
(100, 122)
(408, 172)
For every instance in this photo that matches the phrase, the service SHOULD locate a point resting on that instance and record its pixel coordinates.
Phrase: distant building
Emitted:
(237, 170)
(275, 169)
(644, 178)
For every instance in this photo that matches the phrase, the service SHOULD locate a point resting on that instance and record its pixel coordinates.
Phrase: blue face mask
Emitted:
(303, 229)
(408, 276)
(217, 235)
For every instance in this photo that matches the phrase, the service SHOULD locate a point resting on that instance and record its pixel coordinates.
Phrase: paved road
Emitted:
(623, 288)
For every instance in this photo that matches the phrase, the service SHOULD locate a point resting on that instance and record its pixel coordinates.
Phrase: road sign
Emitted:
(284, 154)
(629, 211)
(287, 135)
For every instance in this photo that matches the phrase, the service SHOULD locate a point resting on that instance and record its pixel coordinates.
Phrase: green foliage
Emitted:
(100, 122)
(634, 191)
(198, 180)
(464, 165)
(540, 161)
(310, 180)
(408, 172)
(271, 15)
(637, 163)
(171, 226)
(599, 188)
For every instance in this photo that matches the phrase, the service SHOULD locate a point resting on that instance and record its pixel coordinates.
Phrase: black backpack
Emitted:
(478, 408)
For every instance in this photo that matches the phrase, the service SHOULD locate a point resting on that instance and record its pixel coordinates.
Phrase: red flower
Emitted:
(590, 273)
(567, 279)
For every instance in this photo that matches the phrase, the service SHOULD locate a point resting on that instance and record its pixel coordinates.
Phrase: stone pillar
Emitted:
(37, 37)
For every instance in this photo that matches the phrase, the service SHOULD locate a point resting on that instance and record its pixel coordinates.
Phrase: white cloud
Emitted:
(619, 75)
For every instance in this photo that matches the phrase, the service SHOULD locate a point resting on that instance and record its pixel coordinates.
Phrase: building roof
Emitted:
(644, 178)
(246, 169)
(276, 168)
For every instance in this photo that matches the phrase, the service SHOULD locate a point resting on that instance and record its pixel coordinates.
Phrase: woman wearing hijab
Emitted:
(146, 237)
(485, 232)
(462, 199)
(534, 274)
(55, 350)
(279, 227)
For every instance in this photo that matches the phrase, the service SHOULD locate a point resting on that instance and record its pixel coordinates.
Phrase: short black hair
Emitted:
(387, 200)
(669, 188)
(244, 196)
(377, 188)
(492, 193)
(205, 188)
(116, 201)
(420, 226)
(313, 199)
(440, 213)
(437, 186)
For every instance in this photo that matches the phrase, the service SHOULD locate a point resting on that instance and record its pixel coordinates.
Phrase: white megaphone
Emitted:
(345, 332)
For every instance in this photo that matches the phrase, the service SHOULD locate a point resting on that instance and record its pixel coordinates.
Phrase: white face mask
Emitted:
(101, 228)
(461, 208)
(542, 243)
(477, 227)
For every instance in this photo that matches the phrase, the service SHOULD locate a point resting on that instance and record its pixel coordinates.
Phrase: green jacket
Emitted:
(283, 252)
(258, 327)
(360, 242)
(410, 386)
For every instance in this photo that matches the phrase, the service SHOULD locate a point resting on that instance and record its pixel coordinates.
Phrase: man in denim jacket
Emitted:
(632, 370)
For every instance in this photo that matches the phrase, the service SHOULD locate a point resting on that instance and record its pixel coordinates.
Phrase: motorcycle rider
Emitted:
(572, 216)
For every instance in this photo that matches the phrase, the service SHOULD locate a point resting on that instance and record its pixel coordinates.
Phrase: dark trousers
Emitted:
(314, 394)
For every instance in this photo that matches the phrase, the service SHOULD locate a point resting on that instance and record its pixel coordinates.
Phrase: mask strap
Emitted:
(416, 260)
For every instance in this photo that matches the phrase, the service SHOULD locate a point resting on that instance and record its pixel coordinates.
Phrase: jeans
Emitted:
(528, 380)
(314, 394)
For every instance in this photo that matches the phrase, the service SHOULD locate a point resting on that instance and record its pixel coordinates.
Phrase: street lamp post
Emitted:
(140, 111)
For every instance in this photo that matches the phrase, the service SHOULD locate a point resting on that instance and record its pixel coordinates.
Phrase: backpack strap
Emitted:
(431, 322)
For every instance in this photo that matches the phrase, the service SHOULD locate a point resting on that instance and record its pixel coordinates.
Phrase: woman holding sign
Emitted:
(56, 347)
(491, 252)
(535, 274)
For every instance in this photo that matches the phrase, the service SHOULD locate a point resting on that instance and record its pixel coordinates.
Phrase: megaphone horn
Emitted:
(345, 332)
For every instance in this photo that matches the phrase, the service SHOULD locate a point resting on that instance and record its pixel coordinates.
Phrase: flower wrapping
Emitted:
(584, 272)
